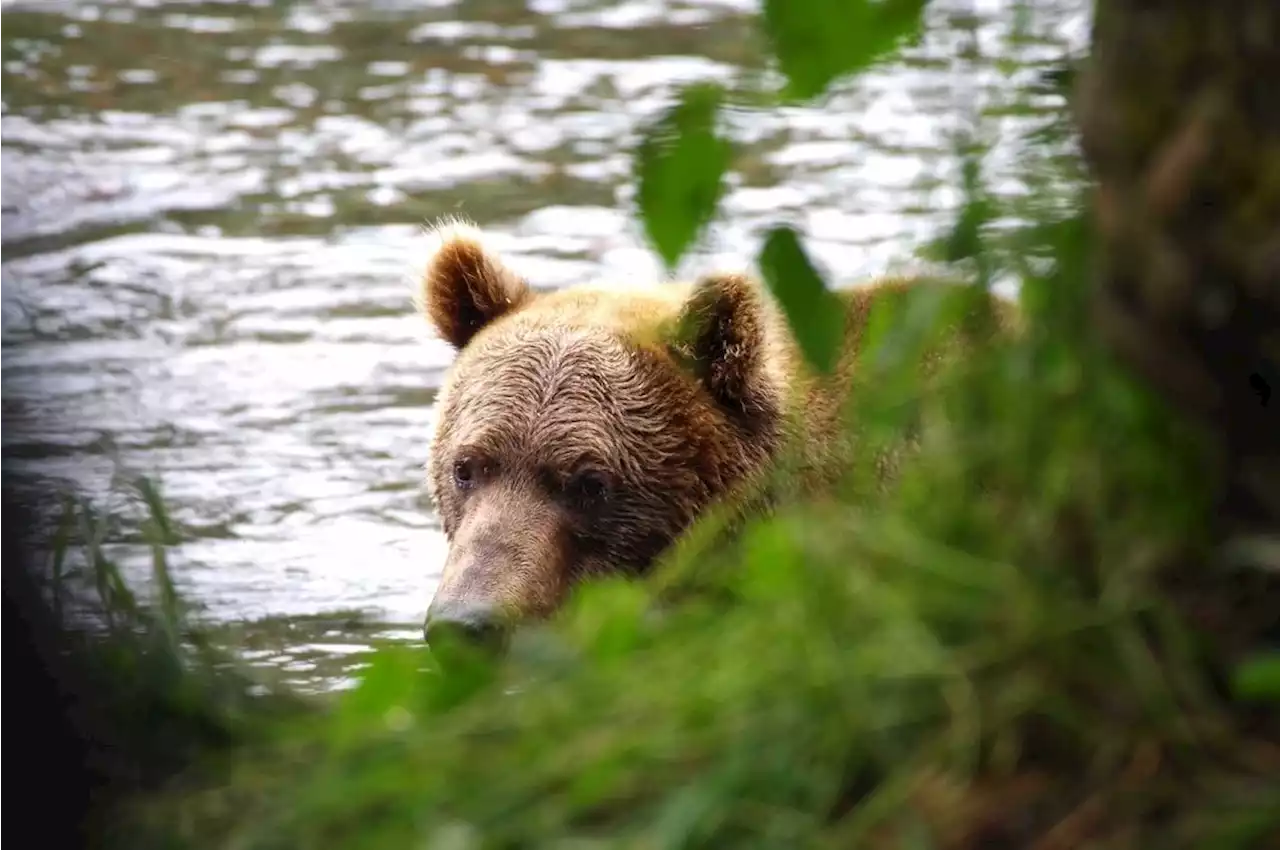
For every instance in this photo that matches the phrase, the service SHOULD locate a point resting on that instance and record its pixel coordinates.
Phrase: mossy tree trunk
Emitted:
(1180, 122)
(1179, 111)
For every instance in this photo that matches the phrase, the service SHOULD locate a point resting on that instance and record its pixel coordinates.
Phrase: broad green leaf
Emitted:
(463, 668)
(680, 165)
(390, 685)
(816, 314)
(818, 41)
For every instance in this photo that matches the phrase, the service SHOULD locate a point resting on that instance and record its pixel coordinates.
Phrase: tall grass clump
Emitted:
(1036, 633)
(137, 681)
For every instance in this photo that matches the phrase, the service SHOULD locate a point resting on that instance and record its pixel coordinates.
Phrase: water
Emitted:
(213, 210)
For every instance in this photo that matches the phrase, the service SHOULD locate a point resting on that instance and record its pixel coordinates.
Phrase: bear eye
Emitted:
(468, 471)
(589, 487)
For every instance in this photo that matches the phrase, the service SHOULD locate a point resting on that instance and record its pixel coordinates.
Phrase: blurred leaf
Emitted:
(966, 236)
(463, 669)
(390, 690)
(1258, 679)
(966, 241)
(815, 314)
(1059, 78)
(60, 543)
(159, 526)
(818, 41)
(607, 617)
(683, 818)
(681, 164)
(159, 531)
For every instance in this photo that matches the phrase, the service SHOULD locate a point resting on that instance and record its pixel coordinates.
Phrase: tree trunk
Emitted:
(1179, 115)
(1180, 122)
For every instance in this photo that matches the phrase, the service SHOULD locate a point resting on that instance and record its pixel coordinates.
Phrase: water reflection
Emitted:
(212, 213)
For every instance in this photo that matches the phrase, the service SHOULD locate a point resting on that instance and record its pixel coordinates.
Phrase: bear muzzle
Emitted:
(507, 563)
(473, 624)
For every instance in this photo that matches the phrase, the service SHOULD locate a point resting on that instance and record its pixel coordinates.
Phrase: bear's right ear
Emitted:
(465, 287)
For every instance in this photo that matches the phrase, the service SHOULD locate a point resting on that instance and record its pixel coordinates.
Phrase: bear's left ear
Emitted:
(465, 287)
(721, 336)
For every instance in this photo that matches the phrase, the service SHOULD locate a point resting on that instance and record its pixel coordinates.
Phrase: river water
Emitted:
(213, 211)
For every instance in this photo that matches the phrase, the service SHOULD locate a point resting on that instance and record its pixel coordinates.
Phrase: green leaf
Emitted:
(681, 164)
(817, 41)
(463, 668)
(816, 314)
(390, 693)
(965, 240)
(392, 678)
(158, 528)
(1258, 679)
(607, 617)
(60, 544)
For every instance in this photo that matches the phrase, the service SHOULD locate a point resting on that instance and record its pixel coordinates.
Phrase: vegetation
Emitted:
(1048, 632)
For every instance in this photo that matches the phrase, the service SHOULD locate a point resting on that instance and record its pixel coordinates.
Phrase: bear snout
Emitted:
(473, 624)
(508, 556)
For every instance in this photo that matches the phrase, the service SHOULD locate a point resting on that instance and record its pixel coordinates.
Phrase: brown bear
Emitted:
(580, 431)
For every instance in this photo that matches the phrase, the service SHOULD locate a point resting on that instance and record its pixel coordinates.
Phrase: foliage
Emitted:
(680, 170)
(984, 653)
(813, 310)
(819, 41)
(166, 694)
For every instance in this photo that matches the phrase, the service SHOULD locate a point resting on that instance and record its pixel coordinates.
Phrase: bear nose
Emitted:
(471, 624)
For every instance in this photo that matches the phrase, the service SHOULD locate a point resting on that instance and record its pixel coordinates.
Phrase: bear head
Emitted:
(580, 431)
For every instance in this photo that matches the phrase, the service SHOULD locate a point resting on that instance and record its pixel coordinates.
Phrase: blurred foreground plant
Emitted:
(139, 682)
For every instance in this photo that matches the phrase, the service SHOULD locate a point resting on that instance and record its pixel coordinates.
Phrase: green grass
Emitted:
(161, 694)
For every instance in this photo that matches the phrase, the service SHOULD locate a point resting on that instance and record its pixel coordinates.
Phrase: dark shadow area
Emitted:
(51, 769)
